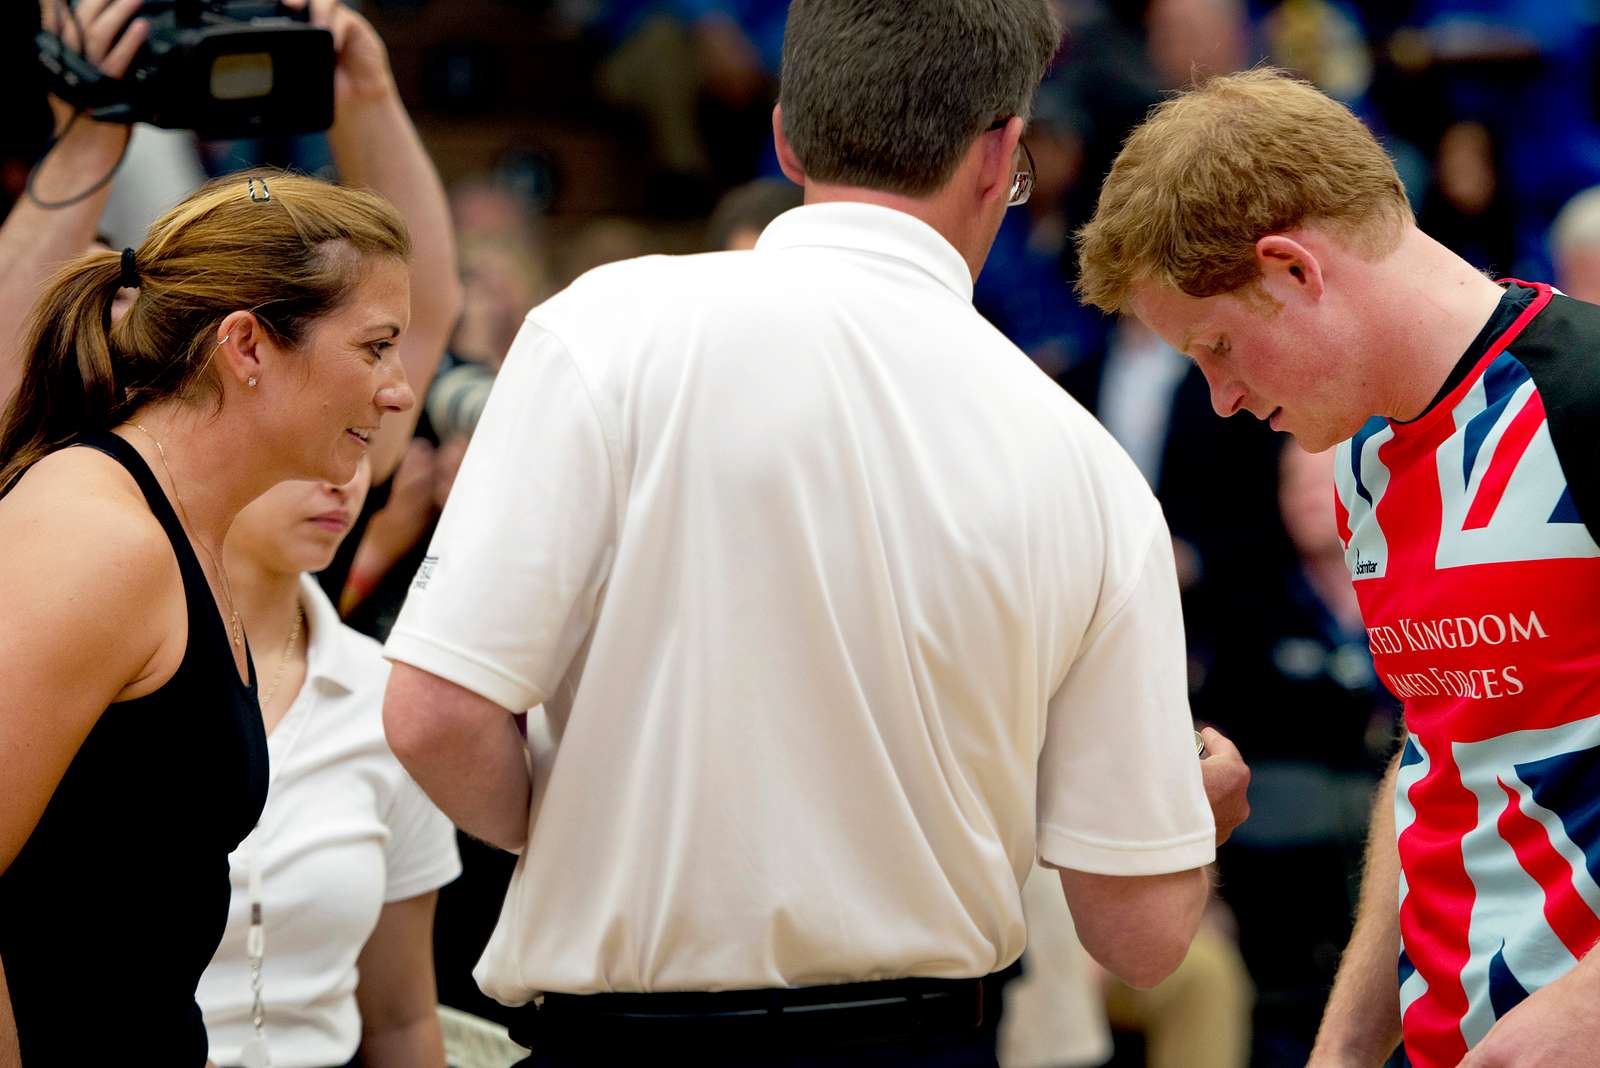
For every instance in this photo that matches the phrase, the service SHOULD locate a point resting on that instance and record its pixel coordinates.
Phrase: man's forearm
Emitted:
(481, 784)
(1361, 1025)
(1138, 928)
(34, 241)
(464, 751)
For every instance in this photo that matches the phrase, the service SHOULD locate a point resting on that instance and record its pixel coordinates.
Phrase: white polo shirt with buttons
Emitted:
(840, 612)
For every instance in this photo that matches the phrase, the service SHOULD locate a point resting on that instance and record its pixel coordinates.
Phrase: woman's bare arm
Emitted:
(399, 1004)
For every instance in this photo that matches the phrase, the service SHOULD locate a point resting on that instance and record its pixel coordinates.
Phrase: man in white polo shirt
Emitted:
(839, 611)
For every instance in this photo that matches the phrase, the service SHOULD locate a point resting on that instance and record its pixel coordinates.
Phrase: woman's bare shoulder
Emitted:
(78, 472)
(82, 545)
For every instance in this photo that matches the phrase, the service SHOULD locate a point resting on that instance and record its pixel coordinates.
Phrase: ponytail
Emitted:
(69, 380)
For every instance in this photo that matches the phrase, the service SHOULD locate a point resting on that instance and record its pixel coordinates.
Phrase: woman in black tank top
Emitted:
(124, 838)
(259, 348)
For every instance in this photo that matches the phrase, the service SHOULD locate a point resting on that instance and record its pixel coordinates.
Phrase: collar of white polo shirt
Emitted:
(871, 228)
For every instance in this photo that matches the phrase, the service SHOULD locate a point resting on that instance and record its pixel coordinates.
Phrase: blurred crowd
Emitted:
(1487, 106)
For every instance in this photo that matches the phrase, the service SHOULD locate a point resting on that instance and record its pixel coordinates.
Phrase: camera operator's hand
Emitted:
(109, 41)
(361, 63)
(36, 239)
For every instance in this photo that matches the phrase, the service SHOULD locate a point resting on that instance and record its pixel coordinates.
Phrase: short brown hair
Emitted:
(289, 249)
(888, 95)
(1213, 170)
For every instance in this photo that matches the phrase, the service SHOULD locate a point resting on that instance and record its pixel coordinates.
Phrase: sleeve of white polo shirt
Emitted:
(421, 853)
(508, 590)
(1120, 791)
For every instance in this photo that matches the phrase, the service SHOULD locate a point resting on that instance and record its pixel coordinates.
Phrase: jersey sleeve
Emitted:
(1119, 783)
(509, 588)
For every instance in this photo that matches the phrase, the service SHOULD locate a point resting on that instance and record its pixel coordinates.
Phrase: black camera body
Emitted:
(222, 68)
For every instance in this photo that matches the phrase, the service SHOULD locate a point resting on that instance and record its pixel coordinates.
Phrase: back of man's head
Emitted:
(1215, 169)
(888, 94)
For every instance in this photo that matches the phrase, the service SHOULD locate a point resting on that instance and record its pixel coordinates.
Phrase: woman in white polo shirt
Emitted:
(349, 853)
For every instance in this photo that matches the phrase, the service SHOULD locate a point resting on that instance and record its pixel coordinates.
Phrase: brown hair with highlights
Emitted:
(288, 248)
(1213, 170)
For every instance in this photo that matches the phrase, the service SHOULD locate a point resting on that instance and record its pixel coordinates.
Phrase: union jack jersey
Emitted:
(1478, 579)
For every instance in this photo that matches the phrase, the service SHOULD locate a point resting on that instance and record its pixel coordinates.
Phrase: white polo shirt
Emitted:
(345, 832)
(840, 611)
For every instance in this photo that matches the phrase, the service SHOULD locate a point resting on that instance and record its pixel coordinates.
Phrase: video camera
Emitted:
(222, 68)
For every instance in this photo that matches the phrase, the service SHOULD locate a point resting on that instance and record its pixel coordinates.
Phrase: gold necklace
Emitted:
(233, 615)
(283, 661)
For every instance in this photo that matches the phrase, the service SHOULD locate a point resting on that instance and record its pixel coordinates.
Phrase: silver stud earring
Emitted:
(251, 381)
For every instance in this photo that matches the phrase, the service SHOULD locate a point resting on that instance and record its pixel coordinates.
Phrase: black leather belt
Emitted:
(886, 1011)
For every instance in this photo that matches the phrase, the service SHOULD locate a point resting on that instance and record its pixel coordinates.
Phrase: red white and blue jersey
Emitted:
(1479, 582)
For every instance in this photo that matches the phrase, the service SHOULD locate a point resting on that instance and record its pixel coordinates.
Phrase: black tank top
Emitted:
(118, 899)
